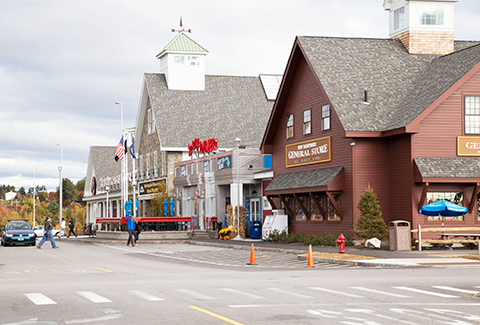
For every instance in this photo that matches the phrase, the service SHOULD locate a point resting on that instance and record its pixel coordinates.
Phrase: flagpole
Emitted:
(122, 162)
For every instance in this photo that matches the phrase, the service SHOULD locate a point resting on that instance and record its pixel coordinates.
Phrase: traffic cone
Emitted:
(252, 257)
(310, 257)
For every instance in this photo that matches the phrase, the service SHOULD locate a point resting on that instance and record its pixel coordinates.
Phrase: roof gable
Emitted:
(182, 43)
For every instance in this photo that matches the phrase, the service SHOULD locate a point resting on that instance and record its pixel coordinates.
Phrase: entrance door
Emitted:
(255, 209)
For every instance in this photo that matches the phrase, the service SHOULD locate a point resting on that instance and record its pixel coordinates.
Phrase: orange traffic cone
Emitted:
(252, 257)
(310, 257)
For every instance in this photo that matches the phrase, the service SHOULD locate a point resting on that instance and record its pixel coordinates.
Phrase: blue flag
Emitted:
(132, 148)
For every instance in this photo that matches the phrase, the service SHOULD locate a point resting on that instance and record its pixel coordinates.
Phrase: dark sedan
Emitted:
(18, 233)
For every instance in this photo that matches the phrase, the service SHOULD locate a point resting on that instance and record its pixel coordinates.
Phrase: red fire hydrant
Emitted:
(341, 243)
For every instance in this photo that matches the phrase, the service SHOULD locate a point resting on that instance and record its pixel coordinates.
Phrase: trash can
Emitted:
(255, 229)
(400, 235)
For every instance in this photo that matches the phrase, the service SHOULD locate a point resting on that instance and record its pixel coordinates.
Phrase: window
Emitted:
(399, 18)
(289, 126)
(332, 212)
(155, 163)
(148, 165)
(299, 214)
(307, 121)
(472, 114)
(179, 60)
(141, 166)
(193, 60)
(454, 197)
(315, 214)
(149, 121)
(325, 117)
(431, 15)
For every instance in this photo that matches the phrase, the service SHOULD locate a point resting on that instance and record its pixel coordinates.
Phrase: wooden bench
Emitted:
(448, 236)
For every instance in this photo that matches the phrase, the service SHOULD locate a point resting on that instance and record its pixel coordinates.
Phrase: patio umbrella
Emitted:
(443, 208)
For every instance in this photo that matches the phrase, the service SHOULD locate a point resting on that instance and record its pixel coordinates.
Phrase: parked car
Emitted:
(39, 232)
(18, 232)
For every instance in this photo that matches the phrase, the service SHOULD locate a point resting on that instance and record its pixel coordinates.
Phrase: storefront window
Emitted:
(299, 215)
(332, 212)
(454, 197)
(315, 214)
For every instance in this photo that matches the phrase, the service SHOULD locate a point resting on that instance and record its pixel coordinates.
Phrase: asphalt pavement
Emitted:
(384, 258)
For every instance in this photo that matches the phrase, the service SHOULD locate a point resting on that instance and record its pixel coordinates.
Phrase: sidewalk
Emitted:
(384, 258)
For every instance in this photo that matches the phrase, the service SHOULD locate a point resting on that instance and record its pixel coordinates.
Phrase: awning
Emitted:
(318, 180)
(447, 170)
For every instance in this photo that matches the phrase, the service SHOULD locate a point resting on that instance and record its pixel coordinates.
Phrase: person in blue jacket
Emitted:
(130, 224)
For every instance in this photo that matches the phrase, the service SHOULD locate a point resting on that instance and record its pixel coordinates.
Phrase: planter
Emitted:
(227, 237)
(221, 237)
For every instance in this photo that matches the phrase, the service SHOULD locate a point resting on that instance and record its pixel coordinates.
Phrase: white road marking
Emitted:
(456, 289)
(285, 292)
(381, 292)
(237, 292)
(431, 293)
(93, 297)
(110, 314)
(40, 299)
(196, 294)
(336, 292)
(146, 296)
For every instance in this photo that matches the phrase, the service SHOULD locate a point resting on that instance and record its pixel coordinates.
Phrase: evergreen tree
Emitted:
(370, 224)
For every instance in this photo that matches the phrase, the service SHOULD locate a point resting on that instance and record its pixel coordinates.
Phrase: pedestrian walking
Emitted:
(47, 234)
(138, 230)
(71, 226)
(63, 228)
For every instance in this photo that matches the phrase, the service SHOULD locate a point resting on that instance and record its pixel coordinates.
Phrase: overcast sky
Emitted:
(63, 64)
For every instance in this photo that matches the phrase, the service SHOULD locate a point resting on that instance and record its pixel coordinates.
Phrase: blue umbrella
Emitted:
(443, 208)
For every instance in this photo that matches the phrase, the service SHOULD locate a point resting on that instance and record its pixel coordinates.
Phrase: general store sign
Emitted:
(309, 152)
(468, 146)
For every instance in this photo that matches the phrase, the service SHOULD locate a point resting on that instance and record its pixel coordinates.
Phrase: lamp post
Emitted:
(34, 198)
(237, 142)
(61, 183)
(124, 165)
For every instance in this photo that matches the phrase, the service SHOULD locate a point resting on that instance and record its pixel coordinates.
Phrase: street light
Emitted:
(124, 165)
(107, 189)
(61, 183)
(34, 198)
(237, 142)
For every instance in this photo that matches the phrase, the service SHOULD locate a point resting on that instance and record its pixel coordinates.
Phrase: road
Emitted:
(188, 284)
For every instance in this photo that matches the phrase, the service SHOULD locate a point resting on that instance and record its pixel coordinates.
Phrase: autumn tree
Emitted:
(156, 204)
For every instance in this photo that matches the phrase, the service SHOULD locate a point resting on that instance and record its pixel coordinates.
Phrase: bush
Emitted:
(371, 223)
(326, 239)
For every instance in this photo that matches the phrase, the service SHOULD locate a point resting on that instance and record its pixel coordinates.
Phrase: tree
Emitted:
(69, 191)
(370, 224)
(156, 204)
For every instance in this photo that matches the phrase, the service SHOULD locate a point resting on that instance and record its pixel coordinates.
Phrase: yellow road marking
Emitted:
(216, 315)
(91, 267)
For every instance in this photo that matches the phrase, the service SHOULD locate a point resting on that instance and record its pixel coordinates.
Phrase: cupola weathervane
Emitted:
(181, 30)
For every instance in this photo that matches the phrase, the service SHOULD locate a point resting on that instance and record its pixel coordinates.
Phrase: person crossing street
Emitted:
(47, 234)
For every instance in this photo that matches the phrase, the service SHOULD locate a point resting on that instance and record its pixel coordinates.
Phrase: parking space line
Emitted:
(40, 299)
(93, 297)
(456, 289)
(431, 293)
(146, 296)
(336, 292)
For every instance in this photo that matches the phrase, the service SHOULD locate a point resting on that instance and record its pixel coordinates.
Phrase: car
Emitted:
(40, 232)
(18, 232)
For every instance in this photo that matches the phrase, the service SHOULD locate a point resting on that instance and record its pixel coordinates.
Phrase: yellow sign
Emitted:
(468, 146)
(309, 152)
(150, 187)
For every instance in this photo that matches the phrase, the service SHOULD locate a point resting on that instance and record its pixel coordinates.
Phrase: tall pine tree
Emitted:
(370, 224)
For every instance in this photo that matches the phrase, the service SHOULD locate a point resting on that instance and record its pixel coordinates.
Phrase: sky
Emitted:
(64, 64)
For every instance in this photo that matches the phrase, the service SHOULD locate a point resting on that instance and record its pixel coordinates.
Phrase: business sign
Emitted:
(206, 166)
(150, 187)
(309, 152)
(468, 146)
(183, 170)
(224, 162)
(199, 147)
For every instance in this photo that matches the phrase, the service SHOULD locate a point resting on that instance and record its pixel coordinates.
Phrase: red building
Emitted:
(401, 115)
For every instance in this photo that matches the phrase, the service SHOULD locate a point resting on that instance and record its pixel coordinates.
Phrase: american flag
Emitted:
(120, 151)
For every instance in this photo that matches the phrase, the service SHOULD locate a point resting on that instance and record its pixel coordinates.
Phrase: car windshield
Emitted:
(18, 226)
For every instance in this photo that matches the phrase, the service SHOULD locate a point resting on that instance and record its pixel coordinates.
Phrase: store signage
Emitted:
(224, 162)
(202, 147)
(150, 187)
(468, 146)
(183, 170)
(308, 152)
(206, 166)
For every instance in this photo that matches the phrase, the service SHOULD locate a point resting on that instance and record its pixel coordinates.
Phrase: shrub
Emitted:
(370, 224)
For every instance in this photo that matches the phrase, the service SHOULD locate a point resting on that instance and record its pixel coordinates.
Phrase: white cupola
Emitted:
(183, 63)
(423, 26)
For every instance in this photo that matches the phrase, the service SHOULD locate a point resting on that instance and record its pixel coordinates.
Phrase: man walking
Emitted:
(47, 228)
(71, 226)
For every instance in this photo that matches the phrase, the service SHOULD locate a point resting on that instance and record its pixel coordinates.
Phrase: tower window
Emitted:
(399, 18)
(431, 15)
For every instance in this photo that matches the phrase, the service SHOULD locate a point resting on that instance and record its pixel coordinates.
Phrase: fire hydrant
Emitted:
(341, 243)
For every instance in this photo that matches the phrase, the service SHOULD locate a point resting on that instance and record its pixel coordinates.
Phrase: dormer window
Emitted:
(179, 60)
(431, 15)
(193, 60)
(399, 18)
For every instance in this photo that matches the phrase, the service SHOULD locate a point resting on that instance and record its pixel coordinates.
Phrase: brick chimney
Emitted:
(423, 26)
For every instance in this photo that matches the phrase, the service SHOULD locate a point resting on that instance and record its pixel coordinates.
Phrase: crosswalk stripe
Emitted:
(381, 292)
(40, 299)
(456, 289)
(285, 292)
(237, 292)
(336, 292)
(196, 294)
(93, 297)
(431, 293)
(146, 296)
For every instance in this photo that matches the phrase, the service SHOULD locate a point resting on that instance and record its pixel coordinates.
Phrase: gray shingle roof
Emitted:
(229, 108)
(104, 164)
(346, 67)
(448, 167)
(304, 179)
